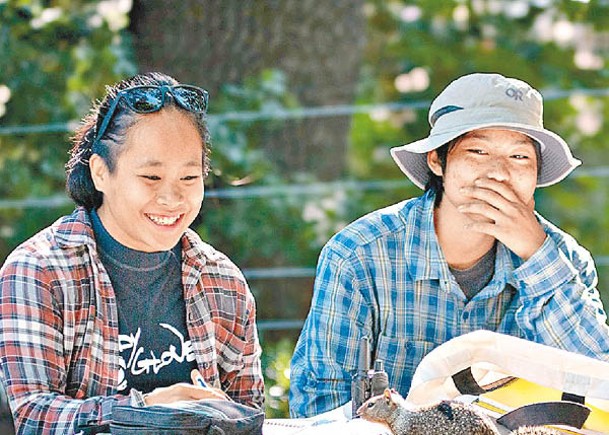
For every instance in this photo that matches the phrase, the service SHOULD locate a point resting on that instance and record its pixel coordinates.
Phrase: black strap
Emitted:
(467, 384)
(543, 413)
(568, 397)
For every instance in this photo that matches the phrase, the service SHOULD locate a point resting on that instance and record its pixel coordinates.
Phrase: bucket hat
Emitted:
(487, 100)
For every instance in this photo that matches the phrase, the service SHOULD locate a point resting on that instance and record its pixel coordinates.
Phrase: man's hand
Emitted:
(496, 210)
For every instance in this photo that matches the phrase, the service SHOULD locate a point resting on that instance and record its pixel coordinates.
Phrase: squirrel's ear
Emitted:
(387, 394)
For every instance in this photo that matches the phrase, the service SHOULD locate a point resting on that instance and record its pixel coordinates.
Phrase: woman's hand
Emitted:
(184, 391)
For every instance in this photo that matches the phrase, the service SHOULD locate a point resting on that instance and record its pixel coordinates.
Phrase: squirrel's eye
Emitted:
(370, 405)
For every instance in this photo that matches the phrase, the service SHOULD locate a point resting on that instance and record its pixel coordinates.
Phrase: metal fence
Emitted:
(320, 188)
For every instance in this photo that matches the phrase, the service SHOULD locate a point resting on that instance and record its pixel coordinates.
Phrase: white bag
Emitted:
(517, 381)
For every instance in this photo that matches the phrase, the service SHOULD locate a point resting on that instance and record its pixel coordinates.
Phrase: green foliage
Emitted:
(238, 157)
(238, 160)
(276, 363)
(56, 57)
(555, 46)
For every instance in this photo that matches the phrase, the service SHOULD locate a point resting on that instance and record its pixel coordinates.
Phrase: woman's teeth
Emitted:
(164, 220)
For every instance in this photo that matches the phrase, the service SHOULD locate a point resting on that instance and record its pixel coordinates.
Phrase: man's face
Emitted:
(156, 189)
(499, 157)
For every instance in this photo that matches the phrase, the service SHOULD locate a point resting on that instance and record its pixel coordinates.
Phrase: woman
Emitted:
(120, 302)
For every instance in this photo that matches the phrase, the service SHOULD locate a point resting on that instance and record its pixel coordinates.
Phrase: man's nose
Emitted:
(497, 170)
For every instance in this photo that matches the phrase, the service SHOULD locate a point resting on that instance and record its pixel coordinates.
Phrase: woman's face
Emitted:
(156, 189)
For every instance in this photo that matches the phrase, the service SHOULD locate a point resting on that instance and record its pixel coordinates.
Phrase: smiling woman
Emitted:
(133, 301)
(155, 191)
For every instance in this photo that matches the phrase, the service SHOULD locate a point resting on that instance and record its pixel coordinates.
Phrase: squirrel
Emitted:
(446, 417)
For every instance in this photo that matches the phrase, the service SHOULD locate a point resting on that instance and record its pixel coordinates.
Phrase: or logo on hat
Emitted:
(514, 93)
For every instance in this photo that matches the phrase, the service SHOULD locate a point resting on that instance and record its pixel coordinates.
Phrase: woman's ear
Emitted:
(99, 171)
(434, 163)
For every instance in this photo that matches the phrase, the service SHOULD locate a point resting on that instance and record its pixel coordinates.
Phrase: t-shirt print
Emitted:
(137, 360)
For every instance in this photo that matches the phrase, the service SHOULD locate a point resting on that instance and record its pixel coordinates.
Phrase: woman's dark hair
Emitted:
(436, 183)
(79, 183)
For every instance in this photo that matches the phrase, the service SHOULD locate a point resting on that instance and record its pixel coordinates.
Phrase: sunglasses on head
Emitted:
(151, 98)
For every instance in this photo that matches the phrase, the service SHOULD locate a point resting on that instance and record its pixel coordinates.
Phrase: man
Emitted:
(469, 254)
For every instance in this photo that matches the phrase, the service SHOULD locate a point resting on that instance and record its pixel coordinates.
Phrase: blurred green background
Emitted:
(307, 97)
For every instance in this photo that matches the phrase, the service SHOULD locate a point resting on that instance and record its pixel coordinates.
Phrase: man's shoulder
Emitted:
(393, 221)
(565, 241)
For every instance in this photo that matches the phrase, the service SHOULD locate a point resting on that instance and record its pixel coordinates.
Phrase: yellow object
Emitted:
(521, 392)
(473, 363)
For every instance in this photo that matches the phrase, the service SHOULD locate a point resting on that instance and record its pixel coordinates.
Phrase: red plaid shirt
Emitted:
(59, 328)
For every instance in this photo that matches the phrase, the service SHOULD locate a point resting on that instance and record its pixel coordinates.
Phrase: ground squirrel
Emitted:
(446, 417)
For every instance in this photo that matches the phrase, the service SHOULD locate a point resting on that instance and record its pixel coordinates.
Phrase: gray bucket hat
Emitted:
(483, 100)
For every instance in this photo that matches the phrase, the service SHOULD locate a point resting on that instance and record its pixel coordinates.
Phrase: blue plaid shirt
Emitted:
(385, 277)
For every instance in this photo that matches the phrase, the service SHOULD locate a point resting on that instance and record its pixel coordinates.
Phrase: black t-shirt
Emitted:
(155, 350)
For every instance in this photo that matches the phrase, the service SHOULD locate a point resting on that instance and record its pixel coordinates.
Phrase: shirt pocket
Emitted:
(401, 356)
(229, 349)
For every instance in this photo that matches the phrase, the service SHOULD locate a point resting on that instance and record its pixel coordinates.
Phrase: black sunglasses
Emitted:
(151, 98)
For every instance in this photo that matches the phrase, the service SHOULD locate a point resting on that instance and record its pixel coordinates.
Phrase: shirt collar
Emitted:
(76, 230)
(428, 260)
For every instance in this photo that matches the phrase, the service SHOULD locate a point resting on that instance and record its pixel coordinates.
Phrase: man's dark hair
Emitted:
(435, 182)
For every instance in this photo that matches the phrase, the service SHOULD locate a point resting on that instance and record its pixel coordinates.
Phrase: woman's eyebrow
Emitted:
(151, 163)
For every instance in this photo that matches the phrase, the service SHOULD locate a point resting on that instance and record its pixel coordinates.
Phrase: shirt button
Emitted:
(465, 315)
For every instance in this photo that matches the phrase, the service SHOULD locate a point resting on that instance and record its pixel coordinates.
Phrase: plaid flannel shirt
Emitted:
(384, 277)
(59, 350)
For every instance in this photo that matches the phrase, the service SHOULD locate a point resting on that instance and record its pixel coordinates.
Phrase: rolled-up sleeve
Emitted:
(33, 356)
(561, 306)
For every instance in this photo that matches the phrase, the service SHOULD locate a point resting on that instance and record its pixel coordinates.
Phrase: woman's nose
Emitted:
(170, 196)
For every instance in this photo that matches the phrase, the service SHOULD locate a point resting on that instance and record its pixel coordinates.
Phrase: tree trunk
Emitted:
(318, 44)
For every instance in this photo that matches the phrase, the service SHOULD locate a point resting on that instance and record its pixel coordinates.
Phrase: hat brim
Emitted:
(556, 159)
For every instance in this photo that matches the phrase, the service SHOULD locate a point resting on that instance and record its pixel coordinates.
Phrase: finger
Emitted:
(484, 227)
(503, 189)
(212, 393)
(215, 393)
(531, 204)
(204, 392)
(197, 378)
(481, 209)
(492, 197)
(508, 209)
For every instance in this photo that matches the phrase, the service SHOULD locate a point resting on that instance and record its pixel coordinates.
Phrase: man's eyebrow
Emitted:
(481, 135)
(477, 135)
